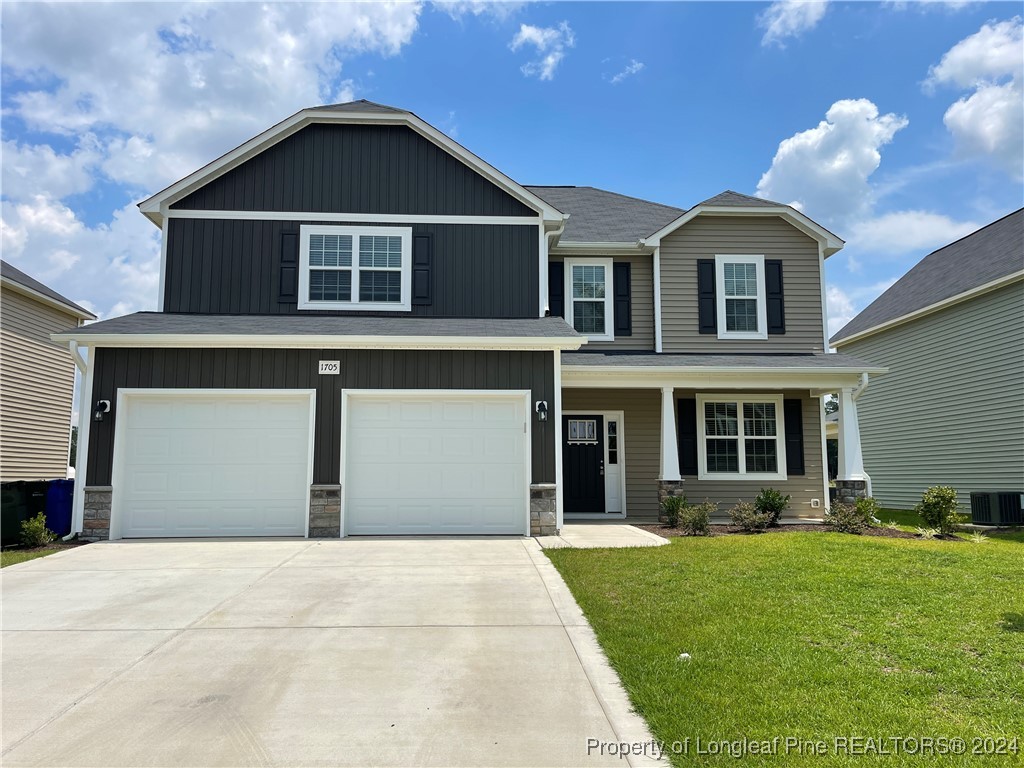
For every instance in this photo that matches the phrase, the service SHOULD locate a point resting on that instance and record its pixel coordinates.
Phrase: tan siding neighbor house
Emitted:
(37, 378)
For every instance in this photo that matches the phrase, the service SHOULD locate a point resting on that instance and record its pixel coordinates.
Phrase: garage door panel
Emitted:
(436, 464)
(223, 465)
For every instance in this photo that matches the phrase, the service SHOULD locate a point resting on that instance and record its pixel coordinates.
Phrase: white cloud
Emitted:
(459, 9)
(824, 171)
(790, 18)
(840, 308)
(989, 122)
(906, 231)
(146, 93)
(550, 44)
(631, 69)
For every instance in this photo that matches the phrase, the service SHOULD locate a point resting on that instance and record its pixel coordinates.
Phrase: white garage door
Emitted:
(214, 465)
(447, 463)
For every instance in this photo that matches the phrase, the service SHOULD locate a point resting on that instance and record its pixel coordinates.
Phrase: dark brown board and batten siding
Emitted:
(355, 169)
(708, 236)
(297, 369)
(233, 266)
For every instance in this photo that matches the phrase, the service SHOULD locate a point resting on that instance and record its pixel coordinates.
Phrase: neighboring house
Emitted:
(37, 378)
(951, 332)
(361, 333)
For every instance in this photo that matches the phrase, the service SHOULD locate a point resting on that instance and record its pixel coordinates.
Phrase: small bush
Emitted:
(892, 525)
(671, 508)
(34, 532)
(749, 518)
(977, 538)
(927, 533)
(695, 518)
(870, 509)
(771, 502)
(847, 518)
(938, 509)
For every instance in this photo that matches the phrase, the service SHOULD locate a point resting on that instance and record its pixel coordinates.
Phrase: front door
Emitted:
(583, 464)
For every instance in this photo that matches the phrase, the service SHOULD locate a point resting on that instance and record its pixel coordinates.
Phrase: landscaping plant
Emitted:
(938, 509)
(927, 533)
(671, 508)
(870, 509)
(847, 518)
(772, 503)
(749, 518)
(695, 519)
(34, 532)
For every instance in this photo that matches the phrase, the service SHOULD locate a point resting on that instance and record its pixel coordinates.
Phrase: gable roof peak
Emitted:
(359, 105)
(731, 197)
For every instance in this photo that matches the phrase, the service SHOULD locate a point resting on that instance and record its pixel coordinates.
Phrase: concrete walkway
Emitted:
(433, 652)
(594, 535)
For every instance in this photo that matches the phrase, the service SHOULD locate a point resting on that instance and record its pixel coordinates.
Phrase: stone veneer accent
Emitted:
(325, 511)
(848, 491)
(96, 515)
(543, 510)
(668, 488)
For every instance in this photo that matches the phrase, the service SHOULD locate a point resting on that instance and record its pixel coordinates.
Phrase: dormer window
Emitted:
(365, 268)
(740, 293)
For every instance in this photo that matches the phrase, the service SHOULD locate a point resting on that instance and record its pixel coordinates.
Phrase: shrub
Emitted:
(892, 525)
(771, 502)
(938, 509)
(695, 518)
(847, 518)
(978, 538)
(671, 508)
(749, 518)
(927, 533)
(34, 532)
(870, 509)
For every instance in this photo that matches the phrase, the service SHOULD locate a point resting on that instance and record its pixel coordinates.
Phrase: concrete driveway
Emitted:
(296, 653)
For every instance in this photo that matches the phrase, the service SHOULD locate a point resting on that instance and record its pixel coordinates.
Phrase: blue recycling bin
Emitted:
(59, 494)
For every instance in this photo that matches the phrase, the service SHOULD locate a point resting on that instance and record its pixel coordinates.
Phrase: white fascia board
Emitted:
(156, 206)
(353, 218)
(49, 301)
(569, 247)
(830, 242)
(932, 308)
(307, 341)
(647, 377)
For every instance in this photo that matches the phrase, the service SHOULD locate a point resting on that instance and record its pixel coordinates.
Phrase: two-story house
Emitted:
(364, 328)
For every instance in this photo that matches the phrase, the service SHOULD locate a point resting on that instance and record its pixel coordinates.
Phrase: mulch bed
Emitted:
(732, 530)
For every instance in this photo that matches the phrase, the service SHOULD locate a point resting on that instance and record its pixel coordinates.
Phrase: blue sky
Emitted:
(897, 125)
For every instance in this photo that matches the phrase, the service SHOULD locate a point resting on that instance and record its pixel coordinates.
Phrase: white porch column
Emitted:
(851, 460)
(669, 441)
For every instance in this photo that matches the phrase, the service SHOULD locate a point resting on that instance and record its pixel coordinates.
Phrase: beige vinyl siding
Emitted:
(801, 488)
(641, 416)
(708, 236)
(37, 380)
(642, 427)
(642, 300)
(950, 411)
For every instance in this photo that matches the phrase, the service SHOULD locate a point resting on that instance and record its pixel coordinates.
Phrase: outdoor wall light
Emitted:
(542, 410)
(102, 406)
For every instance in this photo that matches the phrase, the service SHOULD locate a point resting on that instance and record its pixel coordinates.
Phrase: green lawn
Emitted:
(15, 556)
(812, 635)
(907, 518)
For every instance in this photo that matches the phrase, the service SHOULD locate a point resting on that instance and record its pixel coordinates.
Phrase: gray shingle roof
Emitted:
(994, 251)
(730, 198)
(599, 216)
(825, 362)
(15, 275)
(158, 323)
(361, 105)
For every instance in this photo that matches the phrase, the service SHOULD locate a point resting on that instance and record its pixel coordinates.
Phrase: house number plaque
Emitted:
(331, 367)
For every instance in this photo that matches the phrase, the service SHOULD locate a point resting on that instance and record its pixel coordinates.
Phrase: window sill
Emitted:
(758, 477)
(350, 306)
(725, 335)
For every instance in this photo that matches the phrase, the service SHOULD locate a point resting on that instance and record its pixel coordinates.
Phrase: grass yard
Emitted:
(815, 636)
(905, 517)
(15, 556)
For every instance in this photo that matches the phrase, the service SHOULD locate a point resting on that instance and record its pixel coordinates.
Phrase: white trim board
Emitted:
(383, 394)
(959, 298)
(353, 218)
(157, 206)
(618, 377)
(120, 426)
(312, 341)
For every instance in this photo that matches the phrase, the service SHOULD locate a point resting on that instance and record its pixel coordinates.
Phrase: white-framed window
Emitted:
(344, 267)
(589, 298)
(740, 289)
(741, 437)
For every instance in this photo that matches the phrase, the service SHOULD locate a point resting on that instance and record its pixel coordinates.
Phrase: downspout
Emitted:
(82, 451)
(547, 242)
(854, 396)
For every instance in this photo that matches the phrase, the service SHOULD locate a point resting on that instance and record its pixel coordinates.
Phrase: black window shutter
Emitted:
(288, 286)
(773, 296)
(422, 263)
(794, 421)
(621, 279)
(556, 288)
(706, 296)
(687, 426)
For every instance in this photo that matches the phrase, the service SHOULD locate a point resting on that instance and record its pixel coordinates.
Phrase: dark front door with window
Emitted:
(583, 464)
